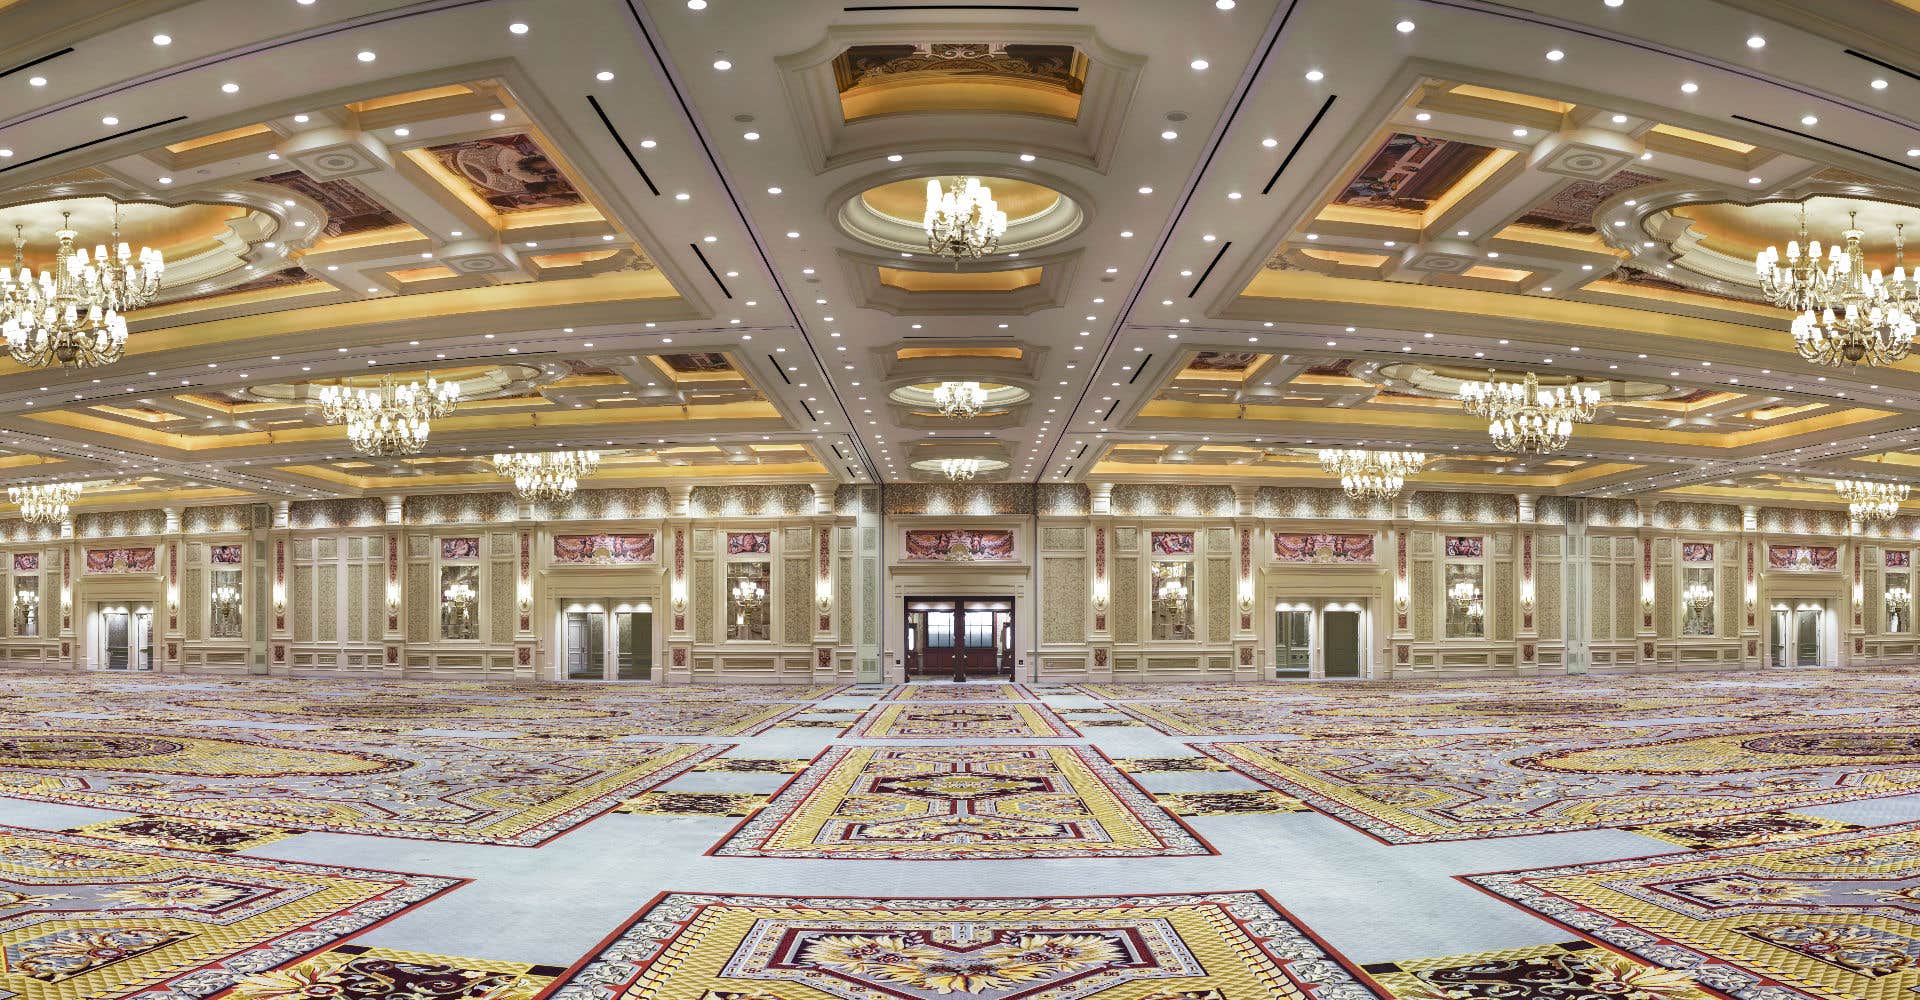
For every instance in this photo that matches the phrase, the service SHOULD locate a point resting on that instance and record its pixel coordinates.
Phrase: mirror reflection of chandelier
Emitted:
(1463, 593)
(1867, 501)
(1371, 475)
(1898, 601)
(963, 222)
(390, 419)
(546, 477)
(70, 316)
(1848, 314)
(959, 399)
(747, 596)
(1697, 596)
(959, 469)
(44, 503)
(1527, 417)
(226, 598)
(1173, 593)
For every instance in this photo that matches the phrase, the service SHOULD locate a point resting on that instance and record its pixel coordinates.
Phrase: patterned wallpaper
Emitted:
(648, 503)
(783, 500)
(1167, 500)
(364, 512)
(1802, 521)
(218, 520)
(1472, 508)
(852, 500)
(958, 498)
(1305, 503)
(460, 508)
(1062, 499)
(14, 532)
(1613, 513)
(119, 523)
(1697, 516)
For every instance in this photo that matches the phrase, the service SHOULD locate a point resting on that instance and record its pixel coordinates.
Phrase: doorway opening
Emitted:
(607, 641)
(1318, 642)
(1798, 633)
(949, 636)
(126, 637)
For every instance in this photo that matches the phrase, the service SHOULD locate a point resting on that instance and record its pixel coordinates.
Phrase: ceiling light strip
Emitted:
(644, 26)
(31, 63)
(1882, 63)
(1275, 28)
(93, 142)
(621, 141)
(711, 273)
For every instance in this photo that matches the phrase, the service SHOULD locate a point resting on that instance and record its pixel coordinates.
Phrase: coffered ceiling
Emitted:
(689, 235)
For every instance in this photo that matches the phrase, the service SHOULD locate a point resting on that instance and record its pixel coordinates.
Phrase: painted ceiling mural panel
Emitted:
(1411, 172)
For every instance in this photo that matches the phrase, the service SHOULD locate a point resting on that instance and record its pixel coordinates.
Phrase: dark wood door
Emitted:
(947, 636)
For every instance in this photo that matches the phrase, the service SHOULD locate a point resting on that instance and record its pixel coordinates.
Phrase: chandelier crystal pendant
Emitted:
(391, 419)
(747, 597)
(959, 470)
(962, 400)
(1173, 593)
(1525, 417)
(1802, 282)
(963, 222)
(1869, 501)
(44, 503)
(1371, 475)
(70, 316)
(1848, 314)
(1697, 597)
(546, 477)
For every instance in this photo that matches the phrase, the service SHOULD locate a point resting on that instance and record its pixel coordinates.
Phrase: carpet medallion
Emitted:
(80, 919)
(984, 720)
(1411, 789)
(957, 692)
(1832, 917)
(959, 803)
(356, 972)
(1214, 946)
(1577, 970)
(516, 792)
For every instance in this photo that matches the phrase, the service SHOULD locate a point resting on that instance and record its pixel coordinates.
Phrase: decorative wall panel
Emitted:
(1665, 606)
(1802, 521)
(1125, 600)
(1547, 617)
(1055, 539)
(796, 611)
(1626, 599)
(1220, 599)
(1501, 601)
(216, 520)
(193, 612)
(1471, 508)
(704, 613)
(302, 600)
(741, 500)
(119, 524)
(1423, 600)
(1063, 608)
(364, 512)
(460, 508)
(958, 498)
(421, 604)
(500, 593)
(1170, 500)
(1062, 499)
(1697, 516)
(326, 600)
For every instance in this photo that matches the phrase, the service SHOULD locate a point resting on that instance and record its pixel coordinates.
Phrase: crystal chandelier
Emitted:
(546, 476)
(1698, 597)
(1371, 475)
(959, 469)
(1898, 601)
(963, 222)
(1871, 501)
(70, 316)
(1524, 417)
(747, 596)
(44, 503)
(1173, 593)
(959, 399)
(226, 597)
(391, 419)
(1847, 314)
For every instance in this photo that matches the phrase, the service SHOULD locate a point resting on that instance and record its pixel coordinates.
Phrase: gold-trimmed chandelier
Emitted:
(1697, 597)
(963, 222)
(390, 419)
(546, 477)
(1371, 475)
(1526, 417)
(71, 316)
(44, 503)
(1870, 501)
(1846, 314)
(962, 400)
(959, 470)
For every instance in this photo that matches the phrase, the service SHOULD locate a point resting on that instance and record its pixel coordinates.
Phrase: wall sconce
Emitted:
(1400, 596)
(1526, 597)
(66, 597)
(679, 597)
(393, 599)
(1646, 596)
(279, 601)
(1753, 596)
(173, 600)
(1858, 594)
(526, 598)
(1246, 597)
(1100, 595)
(823, 597)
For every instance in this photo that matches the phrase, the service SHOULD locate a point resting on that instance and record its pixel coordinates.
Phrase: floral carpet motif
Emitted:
(184, 834)
(970, 691)
(672, 716)
(356, 972)
(1215, 946)
(734, 804)
(1739, 831)
(1832, 917)
(984, 720)
(80, 919)
(955, 803)
(1410, 789)
(516, 792)
(1577, 970)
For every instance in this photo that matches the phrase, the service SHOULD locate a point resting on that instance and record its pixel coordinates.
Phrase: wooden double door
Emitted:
(960, 635)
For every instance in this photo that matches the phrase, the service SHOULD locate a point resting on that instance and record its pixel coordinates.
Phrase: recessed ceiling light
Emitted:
(894, 157)
(750, 136)
(497, 116)
(1404, 27)
(1423, 117)
(1223, 4)
(1879, 83)
(1269, 143)
(681, 196)
(1555, 55)
(1169, 135)
(1519, 133)
(1198, 64)
(648, 144)
(773, 190)
(366, 55)
(1148, 190)
(696, 4)
(1026, 157)
(1809, 120)
(1689, 87)
(1753, 180)
(604, 76)
(109, 120)
(1756, 42)
(1619, 119)
(36, 81)
(723, 64)
(301, 119)
(1315, 76)
(163, 39)
(6, 153)
(403, 132)
(518, 27)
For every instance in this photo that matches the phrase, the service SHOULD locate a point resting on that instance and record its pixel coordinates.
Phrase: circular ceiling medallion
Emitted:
(918, 396)
(892, 215)
(475, 382)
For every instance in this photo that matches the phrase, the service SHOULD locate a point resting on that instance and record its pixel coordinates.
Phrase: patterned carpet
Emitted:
(1582, 838)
